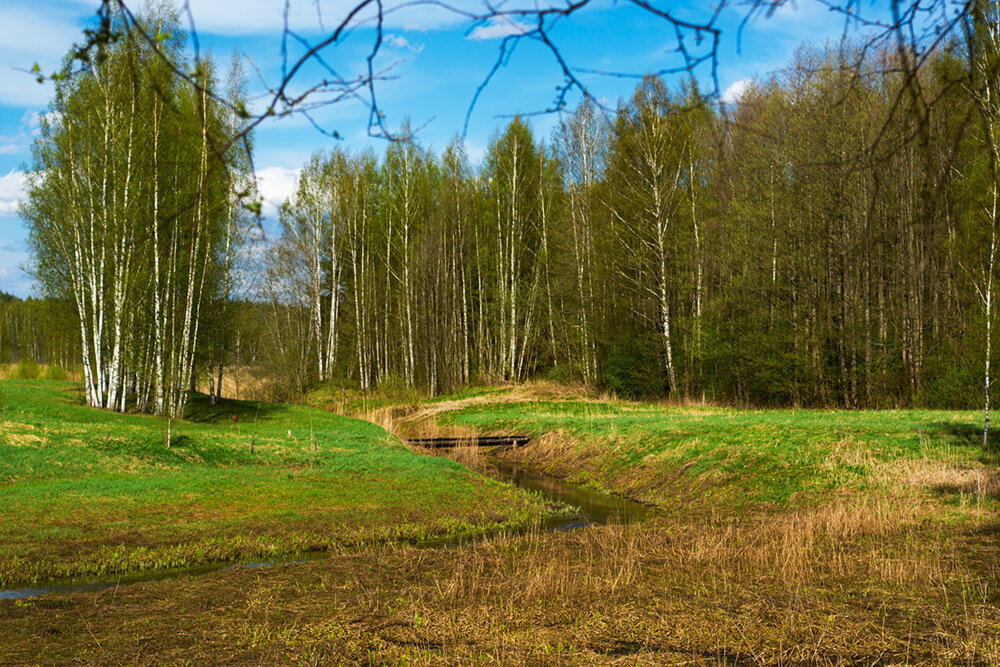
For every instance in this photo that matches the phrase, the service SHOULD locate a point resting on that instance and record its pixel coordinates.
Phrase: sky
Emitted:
(432, 63)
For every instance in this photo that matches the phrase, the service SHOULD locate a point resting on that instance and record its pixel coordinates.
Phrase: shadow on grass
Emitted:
(971, 435)
(200, 411)
(183, 450)
(987, 488)
(980, 553)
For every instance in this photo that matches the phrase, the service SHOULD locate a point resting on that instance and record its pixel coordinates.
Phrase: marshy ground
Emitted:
(781, 537)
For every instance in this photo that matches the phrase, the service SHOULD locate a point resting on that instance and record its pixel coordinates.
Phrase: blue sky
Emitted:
(435, 60)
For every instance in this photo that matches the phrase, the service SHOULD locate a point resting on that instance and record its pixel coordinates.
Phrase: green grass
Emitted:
(90, 492)
(734, 457)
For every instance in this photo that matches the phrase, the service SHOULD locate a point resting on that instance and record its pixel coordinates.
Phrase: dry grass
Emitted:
(19, 436)
(411, 418)
(902, 571)
(470, 455)
(10, 372)
(857, 580)
(246, 384)
(975, 482)
(406, 423)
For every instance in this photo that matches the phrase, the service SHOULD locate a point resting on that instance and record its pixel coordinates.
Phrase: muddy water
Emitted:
(593, 508)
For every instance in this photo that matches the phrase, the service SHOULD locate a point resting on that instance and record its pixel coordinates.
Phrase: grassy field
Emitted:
(722, 458)
(86, 492)
(785, 537)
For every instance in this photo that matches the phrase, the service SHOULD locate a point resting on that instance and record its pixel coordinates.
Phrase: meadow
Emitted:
(91, 493)
(727, 458)
(778, 537)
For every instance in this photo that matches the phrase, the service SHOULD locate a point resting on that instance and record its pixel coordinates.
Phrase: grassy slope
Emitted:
(86, 492)
(737, 458)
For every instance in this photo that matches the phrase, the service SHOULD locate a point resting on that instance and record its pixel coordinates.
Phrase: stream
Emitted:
(595, 508)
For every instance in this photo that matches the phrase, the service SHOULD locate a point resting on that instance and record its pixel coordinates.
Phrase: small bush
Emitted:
(394, 387)
(26, 369)
(54, 372)
(563, 374)
(633, 368)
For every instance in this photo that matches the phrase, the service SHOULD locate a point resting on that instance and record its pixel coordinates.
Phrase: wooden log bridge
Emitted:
(474, 441)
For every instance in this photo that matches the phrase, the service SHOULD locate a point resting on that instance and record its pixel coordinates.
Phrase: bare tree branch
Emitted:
(914, 28)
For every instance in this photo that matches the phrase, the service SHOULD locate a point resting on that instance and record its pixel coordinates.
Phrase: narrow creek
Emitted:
(594, 508)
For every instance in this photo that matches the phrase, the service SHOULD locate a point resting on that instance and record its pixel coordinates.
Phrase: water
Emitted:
(91, 584)
(595, 508)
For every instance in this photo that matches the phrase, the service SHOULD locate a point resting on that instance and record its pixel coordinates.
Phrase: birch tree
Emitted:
(406, 211)
(513, 171)
(983, 44)
(581, 145)
(645, 198)
(125, 208)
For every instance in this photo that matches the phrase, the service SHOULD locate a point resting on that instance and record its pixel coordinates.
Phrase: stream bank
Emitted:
(590, 508)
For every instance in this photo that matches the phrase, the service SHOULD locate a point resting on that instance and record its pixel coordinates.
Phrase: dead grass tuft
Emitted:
(246, 384)
(382, 417)
(978, 481)
(18, 437)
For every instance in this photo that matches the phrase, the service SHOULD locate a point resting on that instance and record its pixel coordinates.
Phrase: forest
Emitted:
(827, 240)
(681, 379)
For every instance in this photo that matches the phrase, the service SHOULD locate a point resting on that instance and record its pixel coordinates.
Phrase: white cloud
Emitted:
(12, 279)
(401, 42)
(276, 184)
(497, 27)
(31, 121)
(39, 28)
(475, 151)
(11, 192)
(13, 144)
(33, 33)
(232, 17)
(735, 91)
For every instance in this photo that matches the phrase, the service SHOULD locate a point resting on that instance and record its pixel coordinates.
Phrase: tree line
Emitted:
(827, 240)
(817, 243)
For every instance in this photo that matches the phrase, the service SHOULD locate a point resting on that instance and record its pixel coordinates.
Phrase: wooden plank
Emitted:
(480, 441)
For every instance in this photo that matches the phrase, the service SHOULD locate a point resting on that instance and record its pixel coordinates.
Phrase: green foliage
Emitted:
(633, 369)
(53, 372)
(157, 196)
(26, 369)
(43, 329)
(512, 232)
(761, 256)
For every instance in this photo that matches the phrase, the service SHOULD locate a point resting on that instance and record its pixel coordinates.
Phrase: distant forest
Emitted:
(826, 240)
